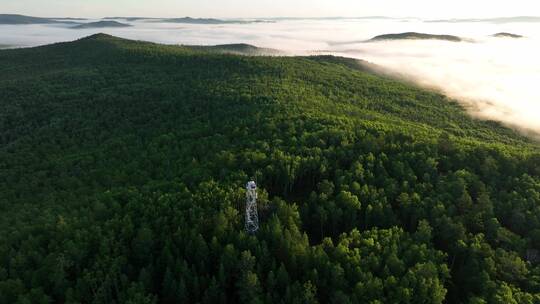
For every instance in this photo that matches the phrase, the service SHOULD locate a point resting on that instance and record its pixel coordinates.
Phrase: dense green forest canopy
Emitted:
(122, 167)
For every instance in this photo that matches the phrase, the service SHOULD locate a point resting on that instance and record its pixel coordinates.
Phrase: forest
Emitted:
(123, 165)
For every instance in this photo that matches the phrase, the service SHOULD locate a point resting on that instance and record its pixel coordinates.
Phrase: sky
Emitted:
(272, 8)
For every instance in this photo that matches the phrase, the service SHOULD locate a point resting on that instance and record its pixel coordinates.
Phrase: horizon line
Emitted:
(278, 17)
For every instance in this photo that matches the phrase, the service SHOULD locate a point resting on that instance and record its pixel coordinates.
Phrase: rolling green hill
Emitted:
(417, 36)
(122, 167)
(101, 24)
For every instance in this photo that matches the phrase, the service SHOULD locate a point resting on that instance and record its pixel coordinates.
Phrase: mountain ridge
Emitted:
(417, 36)
(15, 19)
(507, 35)
(101, 24)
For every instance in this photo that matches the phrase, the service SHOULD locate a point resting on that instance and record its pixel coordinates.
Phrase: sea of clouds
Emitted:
(496, 78)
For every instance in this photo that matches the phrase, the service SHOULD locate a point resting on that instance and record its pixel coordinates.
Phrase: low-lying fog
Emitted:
(495, 77)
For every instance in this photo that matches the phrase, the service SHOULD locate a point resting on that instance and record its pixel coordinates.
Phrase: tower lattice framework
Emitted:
(252, 217)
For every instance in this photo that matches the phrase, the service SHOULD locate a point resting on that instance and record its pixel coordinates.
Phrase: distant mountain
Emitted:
(131, 18)
(418, 36)
(335, 18)
(107, 21)
(519, 19)
(189, 20)
(20, 19)
(507, 35)
(239, 49)
(101, 24)
(70, 19)
(266, 20)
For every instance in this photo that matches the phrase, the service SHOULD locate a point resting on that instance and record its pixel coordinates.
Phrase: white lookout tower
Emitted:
(252, 217)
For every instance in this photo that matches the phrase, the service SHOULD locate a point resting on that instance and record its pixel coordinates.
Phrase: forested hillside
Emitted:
(123, 165)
